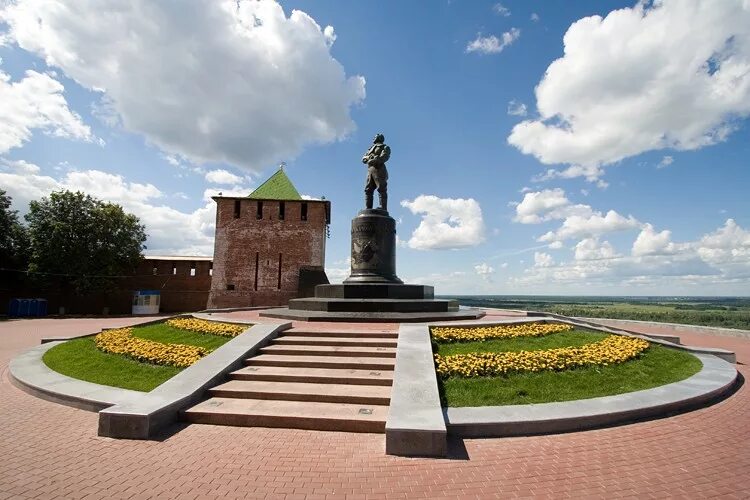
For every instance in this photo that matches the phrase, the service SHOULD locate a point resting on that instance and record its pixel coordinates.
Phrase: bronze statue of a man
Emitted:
(377, 174)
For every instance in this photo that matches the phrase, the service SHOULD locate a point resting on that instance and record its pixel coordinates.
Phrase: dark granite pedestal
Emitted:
(373, 292)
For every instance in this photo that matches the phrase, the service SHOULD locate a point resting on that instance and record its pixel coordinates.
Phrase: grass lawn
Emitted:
(657, 366)
(79, 358)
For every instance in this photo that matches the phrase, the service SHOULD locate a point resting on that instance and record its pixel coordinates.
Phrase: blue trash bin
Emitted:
(13, 307)
(23, 308)
(33, 308)
(42, 307)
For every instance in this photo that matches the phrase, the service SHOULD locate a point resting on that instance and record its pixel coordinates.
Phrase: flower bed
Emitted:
(612, 350)
(210, 327)
(121, 341)
(457, 334)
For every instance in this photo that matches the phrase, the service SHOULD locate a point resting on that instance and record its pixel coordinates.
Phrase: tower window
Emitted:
(193, 270)
(174, 269)
(237, 206)
(210, 268)
(154, 271)
(303, 211)
(282, 210)
(259, 213)
(230, 287)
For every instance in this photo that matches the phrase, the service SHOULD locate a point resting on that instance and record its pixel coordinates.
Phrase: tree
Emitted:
(84, 240)
(14, 240)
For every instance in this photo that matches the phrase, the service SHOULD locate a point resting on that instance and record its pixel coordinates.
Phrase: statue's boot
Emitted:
(368, 201)
(383, 201)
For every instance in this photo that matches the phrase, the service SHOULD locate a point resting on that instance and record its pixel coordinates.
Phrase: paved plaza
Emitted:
(52, 451)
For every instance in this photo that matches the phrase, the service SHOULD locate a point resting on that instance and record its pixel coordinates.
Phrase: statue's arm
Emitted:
(385, 154)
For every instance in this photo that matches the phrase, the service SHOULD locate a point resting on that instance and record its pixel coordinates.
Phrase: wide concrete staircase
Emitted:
(333, 380)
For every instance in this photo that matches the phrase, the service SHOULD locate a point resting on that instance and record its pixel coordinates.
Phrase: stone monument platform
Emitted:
(373, 291)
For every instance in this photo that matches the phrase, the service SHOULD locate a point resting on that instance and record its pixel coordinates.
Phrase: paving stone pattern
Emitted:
(52, 451)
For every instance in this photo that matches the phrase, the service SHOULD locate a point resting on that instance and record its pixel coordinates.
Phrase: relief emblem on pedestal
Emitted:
(364, 253)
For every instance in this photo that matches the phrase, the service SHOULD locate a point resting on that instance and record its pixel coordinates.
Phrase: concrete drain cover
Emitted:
(365, 411)
(214, 403)
(251, 369)
(375, 373)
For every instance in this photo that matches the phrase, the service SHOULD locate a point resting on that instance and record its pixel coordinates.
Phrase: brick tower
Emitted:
(269, 246)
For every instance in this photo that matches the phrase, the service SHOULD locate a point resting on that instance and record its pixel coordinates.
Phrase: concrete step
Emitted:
(314, 375)
(381, 334)
(340, 341)
(290, 414)
(357, 363)
(311, 350)
(300, 391)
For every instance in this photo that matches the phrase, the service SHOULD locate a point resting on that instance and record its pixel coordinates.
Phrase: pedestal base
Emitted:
(385, 302)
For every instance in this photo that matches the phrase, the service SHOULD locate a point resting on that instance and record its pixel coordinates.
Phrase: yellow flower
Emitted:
(611, 350)
(210, 327)
(454, 334)
(121, 341)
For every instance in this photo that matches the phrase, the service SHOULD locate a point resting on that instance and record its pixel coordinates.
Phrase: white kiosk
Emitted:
(146, 301)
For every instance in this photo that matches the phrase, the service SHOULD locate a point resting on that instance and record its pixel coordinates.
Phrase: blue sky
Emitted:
(535, 148)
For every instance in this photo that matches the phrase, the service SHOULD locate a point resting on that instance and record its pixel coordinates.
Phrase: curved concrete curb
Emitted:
(29, 373)
(714, 380)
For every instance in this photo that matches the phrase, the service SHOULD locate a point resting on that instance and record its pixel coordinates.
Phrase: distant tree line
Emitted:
(71, 238)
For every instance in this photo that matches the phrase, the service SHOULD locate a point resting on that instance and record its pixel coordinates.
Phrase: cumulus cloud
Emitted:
(649, 242)
(221, 176)
(667, 74)
(548, 204)
(727, 248)
(447, 223)
(542, 259)
(665, 162)
(492, 44)
(225, 81)
(592, 249)
(577, 226)
(170, 231)
(516, 108)
(485, 271)
(501, 10)
(36, 102)
(717, 262)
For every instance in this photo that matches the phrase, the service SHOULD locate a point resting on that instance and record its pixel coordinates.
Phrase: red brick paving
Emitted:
(52, 451)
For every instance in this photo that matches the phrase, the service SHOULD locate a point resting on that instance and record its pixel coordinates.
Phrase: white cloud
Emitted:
(219, 81)
(20, 166)
(542, 259)
(649, 242)
(221, 176)
(727, 248)
(577, 226)
(492, 44)
(485, 271)
(501, 10)
(516, 108)
(548, 204)
(665, 162)
(36, 102)
(718, 262)
(668, 74)
(534, 17)
(170, 231)
(592, 249)
(447, 223)
(504, 265)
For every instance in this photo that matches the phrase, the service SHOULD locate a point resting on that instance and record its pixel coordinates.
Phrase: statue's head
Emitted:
(379, 139)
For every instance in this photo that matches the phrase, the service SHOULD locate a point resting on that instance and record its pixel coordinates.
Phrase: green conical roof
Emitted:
(277, 187)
